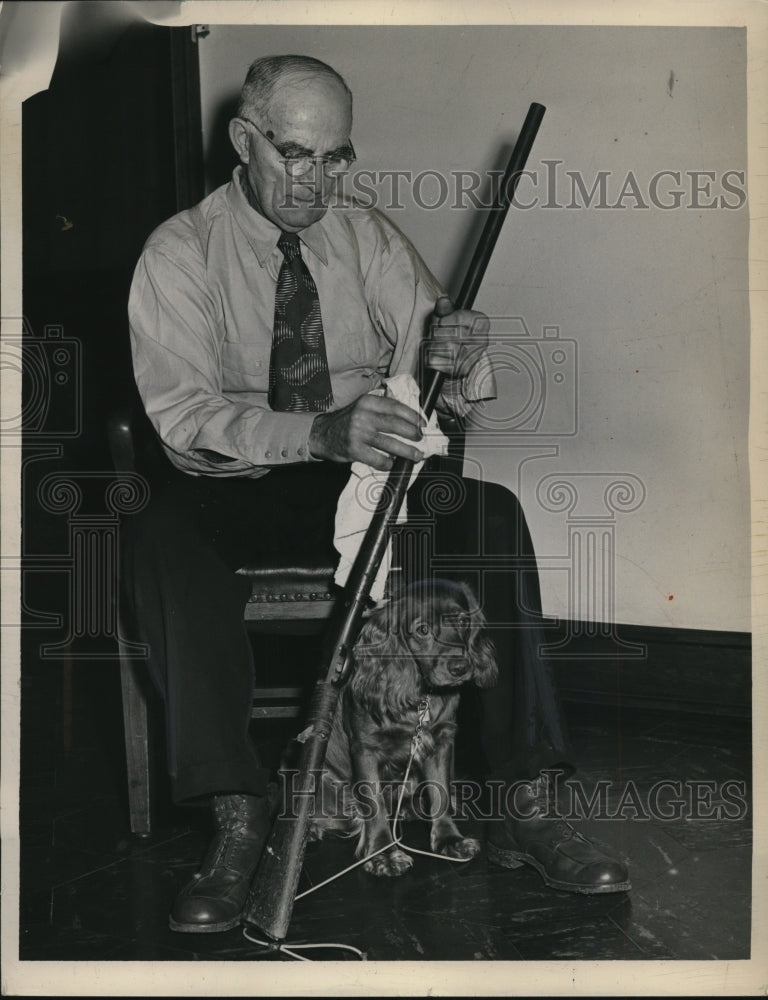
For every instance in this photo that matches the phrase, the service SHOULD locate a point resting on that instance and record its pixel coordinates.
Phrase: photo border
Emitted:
(496, 978)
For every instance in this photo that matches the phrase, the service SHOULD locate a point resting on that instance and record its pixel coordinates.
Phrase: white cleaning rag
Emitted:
(360, 496)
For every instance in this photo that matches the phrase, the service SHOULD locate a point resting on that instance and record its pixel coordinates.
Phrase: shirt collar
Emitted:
(263, 234)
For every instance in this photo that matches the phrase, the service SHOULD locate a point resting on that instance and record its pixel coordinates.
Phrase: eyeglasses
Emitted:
(334, 164)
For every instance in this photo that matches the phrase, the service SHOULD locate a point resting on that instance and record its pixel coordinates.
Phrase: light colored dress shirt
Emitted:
(201, 310)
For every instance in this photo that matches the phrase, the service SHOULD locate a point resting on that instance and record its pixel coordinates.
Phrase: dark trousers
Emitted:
(181, 554)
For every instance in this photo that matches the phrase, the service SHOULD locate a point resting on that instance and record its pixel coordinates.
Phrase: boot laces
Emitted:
(540, 790)
(231, 816)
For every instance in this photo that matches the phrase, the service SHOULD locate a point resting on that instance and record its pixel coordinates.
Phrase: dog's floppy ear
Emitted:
(482, 652)
(482, 656)
(386, 679)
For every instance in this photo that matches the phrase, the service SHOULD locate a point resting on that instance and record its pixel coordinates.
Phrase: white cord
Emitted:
(294, 949)
(395, 842)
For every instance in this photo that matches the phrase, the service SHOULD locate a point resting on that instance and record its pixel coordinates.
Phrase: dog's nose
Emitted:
(457, 668)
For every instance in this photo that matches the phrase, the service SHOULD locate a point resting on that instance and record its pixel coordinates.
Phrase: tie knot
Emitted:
(289, 245)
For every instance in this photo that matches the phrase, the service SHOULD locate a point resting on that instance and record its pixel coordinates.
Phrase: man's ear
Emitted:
(238, 136)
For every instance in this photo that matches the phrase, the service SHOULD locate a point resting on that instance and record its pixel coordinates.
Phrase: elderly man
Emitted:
(261, 319)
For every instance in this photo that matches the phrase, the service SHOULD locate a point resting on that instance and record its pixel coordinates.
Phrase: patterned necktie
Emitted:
(299, 379)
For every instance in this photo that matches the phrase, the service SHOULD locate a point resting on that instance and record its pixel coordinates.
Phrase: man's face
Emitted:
(308, 115)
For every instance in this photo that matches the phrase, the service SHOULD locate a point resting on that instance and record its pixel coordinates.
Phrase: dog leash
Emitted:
(422, 720)
(292, 950)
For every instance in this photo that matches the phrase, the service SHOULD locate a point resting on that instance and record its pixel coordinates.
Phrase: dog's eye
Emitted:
(422, 630)
(460, 626)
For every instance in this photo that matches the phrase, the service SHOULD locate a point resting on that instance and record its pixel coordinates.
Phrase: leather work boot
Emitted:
(214, 898)
(563, 857)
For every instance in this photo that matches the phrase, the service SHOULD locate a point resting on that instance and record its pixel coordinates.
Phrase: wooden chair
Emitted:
(285, 598)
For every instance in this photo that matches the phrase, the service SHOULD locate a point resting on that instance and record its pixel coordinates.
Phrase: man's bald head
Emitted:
(265, 76)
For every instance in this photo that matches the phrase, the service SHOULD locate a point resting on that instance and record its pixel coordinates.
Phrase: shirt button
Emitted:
(301, 451)
(268, 454)
(284, 453)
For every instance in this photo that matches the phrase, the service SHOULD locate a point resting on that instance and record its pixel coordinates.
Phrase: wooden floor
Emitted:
(90, 890)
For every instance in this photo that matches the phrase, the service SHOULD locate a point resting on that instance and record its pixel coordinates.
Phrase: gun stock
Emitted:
(270, 903)
(269, 907)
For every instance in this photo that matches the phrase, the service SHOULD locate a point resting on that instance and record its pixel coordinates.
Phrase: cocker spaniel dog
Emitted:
(427, 641)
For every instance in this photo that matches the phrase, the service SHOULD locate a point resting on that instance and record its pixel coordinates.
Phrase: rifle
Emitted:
(269, 906)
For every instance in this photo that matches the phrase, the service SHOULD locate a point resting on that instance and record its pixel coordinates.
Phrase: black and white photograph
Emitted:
(383, 453)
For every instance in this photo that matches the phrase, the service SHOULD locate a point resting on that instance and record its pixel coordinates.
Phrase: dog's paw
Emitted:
(458, 847)
(389, 863)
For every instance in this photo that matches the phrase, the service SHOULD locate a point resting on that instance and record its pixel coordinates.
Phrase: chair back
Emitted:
(133, 442)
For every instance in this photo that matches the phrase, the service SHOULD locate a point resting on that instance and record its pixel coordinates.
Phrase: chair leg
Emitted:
(136, 722)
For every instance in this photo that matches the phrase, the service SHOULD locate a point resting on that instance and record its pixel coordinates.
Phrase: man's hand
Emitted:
(458, 339)
(361, 432)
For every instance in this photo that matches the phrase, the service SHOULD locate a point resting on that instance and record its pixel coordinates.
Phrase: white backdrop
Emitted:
(649, 303)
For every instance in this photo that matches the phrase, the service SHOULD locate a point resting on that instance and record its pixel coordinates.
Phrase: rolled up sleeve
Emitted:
(176, 332)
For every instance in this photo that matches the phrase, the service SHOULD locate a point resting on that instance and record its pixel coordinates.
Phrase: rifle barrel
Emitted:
(270, 904)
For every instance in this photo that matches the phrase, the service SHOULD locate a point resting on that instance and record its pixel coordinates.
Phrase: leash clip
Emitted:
(423, 720)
